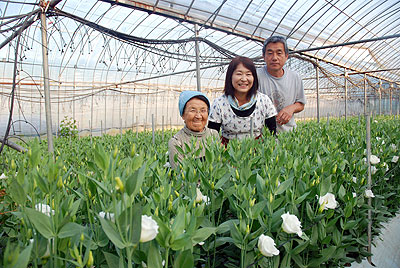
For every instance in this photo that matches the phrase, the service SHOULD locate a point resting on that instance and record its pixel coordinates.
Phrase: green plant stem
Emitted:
(129, 256)
(166, 257)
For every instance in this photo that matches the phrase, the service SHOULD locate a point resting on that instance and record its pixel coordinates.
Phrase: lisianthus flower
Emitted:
(354, 195)
(369, 193)
(149, 229)
(395, 159)
(355, 179)
(374, 159)
(266, 245)
(329, 200)
(291, 224)
(201, 198)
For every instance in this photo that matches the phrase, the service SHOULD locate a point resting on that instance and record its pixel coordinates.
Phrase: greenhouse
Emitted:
(91, 99)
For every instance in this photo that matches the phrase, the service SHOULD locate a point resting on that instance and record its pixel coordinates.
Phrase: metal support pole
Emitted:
(380, 97)
(365, 94)
(46, 83)
(152, 127)
(196, 43)
(390, 96)
(162, 127)
(345, 93)
(317, 84)
(368, 140)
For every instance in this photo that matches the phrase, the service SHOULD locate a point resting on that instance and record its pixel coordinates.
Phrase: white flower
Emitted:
(3, 176)
(373, 170)
(354, 195)
(45, 209)
(201, 243)
(266, 245)
(149, 229)
(369, 194)
(167, 165)
(385, 166)
(378, 138)
(395, 159)
(291, 224)
(201, 198)
(328, 200)
(107, 215)
(355, 179)
(393, 146)
(375, 121)
(374, 159)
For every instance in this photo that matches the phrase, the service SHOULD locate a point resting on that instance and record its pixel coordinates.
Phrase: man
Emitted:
(283, 86)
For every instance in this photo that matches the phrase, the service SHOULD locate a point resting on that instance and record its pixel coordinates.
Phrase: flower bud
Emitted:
(252, 201)
(13, 166)
(156, 212)
(90, 259)
(212, 186)
(247, 229)
(176, 193)
(271, 197)
(237, 174)
(140, 192)
(120, 185)
(115, 153)
(59, 183)
(82, 237)
(334, 169)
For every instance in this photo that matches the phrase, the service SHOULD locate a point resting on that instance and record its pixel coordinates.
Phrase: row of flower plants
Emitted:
(296, 200)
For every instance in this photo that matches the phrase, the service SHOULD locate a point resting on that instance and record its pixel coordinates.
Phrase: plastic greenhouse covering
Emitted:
(122, 64)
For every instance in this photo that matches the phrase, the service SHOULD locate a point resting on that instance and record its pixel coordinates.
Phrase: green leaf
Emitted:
(348, 210)
(326, 255)
(349, 225)
(135, 181)
(301, 198)
(23, 258)
(111, 259)
(179, 223)
(185, 259)
(101, 186)
(70, 229)
(222, 181)
(110, 229)
(256, 210)
(41, 222)
(154, 259)
(202, 234)
(300, 248)
(283, 186)
(100, 157)
(236, 235)
(325, 186)
(342, 192)
(17, 193)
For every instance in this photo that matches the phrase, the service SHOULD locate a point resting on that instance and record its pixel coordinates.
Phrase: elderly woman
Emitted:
(194, 108)
(241, 104)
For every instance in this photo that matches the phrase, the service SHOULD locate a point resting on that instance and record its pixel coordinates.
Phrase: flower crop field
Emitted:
(298, 200)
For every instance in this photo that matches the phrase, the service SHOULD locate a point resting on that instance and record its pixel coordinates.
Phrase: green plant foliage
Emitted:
(68, 128)
(84, 206)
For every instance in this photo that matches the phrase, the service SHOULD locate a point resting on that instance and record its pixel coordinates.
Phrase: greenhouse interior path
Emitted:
(386, 252)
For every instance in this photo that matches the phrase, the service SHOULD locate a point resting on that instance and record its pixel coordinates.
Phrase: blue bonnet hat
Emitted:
(186, 96)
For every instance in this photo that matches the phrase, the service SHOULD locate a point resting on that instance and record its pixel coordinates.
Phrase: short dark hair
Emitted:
(275, 39)
(248, 63)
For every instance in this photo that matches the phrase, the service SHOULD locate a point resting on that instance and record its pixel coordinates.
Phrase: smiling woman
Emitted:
(193, 107)
(242, 104)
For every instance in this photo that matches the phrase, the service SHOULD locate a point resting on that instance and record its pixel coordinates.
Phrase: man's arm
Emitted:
(286, 113)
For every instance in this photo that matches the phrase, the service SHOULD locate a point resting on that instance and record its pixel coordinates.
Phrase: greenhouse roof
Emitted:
(154, 38)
